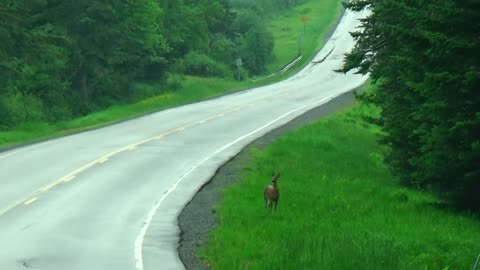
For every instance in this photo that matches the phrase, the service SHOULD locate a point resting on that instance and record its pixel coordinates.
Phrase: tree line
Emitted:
(424, 58)
(61, 59)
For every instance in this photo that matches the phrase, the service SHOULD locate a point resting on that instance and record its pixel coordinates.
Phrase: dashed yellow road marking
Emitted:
(30, 201)
(68, 179)
(70, 176)
(103, 160)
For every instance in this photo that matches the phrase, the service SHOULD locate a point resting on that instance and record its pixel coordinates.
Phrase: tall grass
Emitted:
(339, 209)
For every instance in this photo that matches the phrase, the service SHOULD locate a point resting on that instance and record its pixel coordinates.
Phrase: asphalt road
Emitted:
(109, 198)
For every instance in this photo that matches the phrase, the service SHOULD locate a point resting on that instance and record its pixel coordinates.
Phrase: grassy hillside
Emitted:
(339, 209)
(287, 28)
(186, 89)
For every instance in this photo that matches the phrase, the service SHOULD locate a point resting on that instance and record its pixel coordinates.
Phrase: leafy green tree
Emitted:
(112, 44)
(62, 58)
(32, 63)
(258, 49)
(254, 43)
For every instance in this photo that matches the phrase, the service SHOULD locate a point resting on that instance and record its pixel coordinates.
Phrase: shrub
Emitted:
(197, 64)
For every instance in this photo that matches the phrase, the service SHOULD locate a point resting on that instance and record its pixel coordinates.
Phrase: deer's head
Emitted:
(275, 178)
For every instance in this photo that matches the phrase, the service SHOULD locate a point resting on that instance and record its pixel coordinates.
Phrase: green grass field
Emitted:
(322, 15)
(339, 209)
(287, 27)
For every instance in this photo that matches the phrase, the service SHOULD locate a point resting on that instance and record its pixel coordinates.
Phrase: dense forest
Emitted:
(424, 57)
(61, 59)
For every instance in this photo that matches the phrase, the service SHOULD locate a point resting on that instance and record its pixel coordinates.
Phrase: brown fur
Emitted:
(271, 193)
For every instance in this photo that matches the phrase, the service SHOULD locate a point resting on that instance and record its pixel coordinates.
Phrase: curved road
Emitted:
(109, 198)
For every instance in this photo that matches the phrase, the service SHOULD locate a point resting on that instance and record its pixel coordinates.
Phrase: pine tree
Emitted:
(423, 56)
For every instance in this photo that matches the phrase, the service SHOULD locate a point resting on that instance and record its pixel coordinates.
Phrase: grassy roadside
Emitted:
(322, 14)
(287, 28)
(192, 89)
(339, 209)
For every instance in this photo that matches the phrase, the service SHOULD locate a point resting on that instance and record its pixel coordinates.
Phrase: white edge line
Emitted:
(70, 176)
(143, 230)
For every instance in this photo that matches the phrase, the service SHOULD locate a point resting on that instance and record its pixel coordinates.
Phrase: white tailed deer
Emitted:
(271, 193)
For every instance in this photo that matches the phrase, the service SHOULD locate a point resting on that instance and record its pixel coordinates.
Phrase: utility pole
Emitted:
(238, 63)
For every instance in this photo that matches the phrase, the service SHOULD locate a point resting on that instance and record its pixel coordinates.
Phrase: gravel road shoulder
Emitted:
(197, 219)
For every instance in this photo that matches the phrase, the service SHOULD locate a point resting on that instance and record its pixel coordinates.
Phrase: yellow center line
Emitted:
(70, 178)
(103, 160)
(239, 108)
(30, 198)
(209, 118)
(30, 201)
